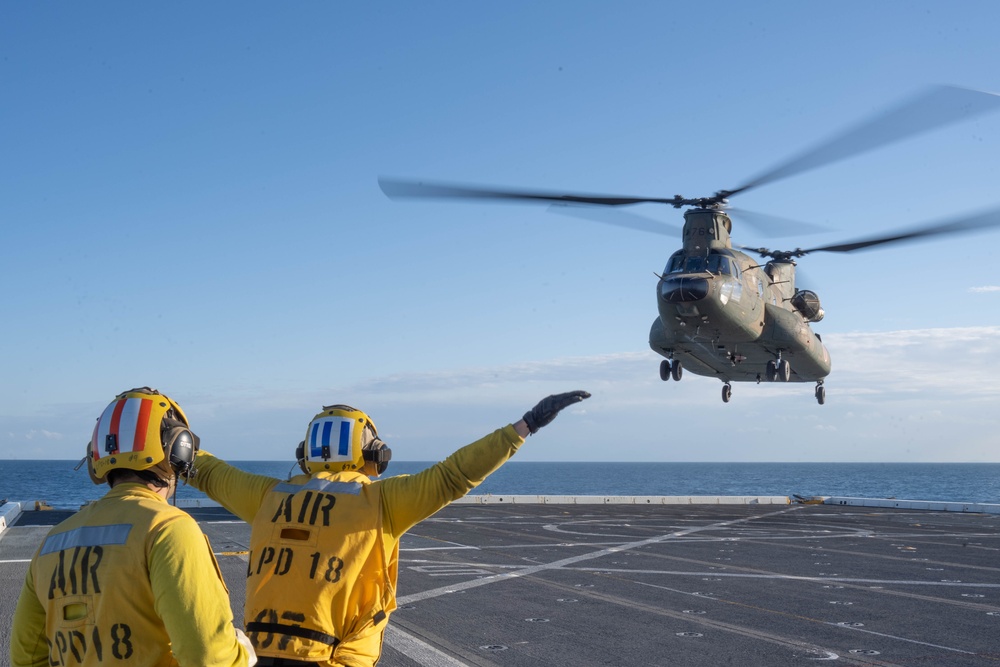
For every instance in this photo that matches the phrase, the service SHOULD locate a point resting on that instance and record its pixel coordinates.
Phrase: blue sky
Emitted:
(191, 202)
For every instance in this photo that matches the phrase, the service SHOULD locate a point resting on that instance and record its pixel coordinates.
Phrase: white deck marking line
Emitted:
(903, 639)
(732, 575)
(17, 560)
(447, 544)
(418, 651)
(707, 596)
(498, 547)
(788, 577)
(745, 631)
(555, 565)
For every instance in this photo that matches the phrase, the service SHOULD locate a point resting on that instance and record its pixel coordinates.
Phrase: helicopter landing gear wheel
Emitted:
(727, 392)
(771, 371)
(676, 370)
(664, 370)
(820, 393)
(784, 370)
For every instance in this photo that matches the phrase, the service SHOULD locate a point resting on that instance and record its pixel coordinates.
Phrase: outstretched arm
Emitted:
(238, 491)
(549, 407)
(410, 499)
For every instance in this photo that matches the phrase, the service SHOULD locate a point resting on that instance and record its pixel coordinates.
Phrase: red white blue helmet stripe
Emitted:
(127, 421)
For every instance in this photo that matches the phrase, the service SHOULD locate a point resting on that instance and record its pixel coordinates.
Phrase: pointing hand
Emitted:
(549, 407)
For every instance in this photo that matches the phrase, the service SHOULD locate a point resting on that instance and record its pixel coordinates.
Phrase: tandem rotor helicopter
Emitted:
(723, 313)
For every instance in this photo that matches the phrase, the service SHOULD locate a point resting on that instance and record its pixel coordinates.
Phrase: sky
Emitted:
(191, 202)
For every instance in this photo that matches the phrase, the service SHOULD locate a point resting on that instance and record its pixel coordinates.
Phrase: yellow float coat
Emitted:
(325, 548)
(127, 580)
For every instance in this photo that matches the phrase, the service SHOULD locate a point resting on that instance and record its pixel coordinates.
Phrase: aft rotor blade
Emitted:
(773, 225)
(936, 107)
(978, 222)
(425, 190)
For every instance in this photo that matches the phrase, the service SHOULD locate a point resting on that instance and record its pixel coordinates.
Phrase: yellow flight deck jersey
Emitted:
(324, 548)
(129, 580)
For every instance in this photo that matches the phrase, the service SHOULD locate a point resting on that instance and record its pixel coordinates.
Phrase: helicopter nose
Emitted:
(680, 289)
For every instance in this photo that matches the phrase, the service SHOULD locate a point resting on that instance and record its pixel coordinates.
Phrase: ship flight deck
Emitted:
(753, 583)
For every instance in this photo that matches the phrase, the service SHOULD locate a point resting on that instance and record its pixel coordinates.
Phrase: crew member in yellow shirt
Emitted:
(324, 546)
(130, 579)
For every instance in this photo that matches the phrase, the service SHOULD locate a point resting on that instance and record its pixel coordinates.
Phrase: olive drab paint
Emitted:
(724, 315)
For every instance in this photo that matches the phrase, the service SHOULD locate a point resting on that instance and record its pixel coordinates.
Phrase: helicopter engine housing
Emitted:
(806, 302)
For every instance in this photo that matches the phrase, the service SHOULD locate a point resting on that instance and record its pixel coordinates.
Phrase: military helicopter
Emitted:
(721, 312)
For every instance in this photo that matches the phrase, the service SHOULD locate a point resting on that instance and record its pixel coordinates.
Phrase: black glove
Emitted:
(549, 407)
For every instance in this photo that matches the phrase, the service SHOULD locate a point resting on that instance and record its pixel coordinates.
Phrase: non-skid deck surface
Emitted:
(688, 585)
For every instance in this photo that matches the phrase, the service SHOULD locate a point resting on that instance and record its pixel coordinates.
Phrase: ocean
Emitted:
(56, 483)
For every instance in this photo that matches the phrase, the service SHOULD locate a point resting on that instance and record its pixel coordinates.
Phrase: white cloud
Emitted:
(919, 395)
(960, 361)
(42, 434)
(985, 288)
(904, 395)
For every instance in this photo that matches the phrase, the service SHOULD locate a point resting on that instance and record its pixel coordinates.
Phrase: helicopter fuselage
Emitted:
(722, 314)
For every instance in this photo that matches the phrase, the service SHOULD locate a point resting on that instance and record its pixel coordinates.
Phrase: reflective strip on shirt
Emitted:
(87, 536)
(323, 485)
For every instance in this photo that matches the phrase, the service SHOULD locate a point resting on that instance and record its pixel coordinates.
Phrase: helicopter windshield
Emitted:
(719, 264)
(716, 263)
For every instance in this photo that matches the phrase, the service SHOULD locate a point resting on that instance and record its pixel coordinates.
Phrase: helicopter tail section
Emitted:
(789, 334)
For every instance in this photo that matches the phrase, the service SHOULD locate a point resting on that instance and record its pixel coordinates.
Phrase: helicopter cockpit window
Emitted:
(695, 265)
(715, 263)
(720, 265)
(676, 264)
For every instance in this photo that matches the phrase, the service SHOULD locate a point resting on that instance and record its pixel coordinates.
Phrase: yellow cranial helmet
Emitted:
(139, 430)
(342, 438)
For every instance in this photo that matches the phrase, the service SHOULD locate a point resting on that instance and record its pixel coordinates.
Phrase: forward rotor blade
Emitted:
(936, 107)
(769, 225)
(614, 216)
(425, 190)
(975, 223)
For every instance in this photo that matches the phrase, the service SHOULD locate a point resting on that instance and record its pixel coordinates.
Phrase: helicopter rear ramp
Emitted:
(620, 583)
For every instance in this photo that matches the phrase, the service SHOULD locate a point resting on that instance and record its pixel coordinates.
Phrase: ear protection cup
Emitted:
(300, 456)
(378, 454)
(180, 445)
